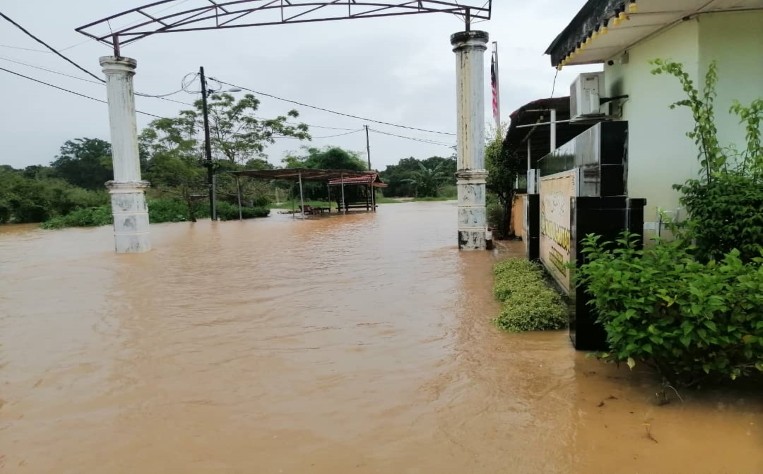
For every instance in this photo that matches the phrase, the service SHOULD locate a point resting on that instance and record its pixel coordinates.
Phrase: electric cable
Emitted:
(69, 91)
(28, 33)
(411, 138)
(334, 111)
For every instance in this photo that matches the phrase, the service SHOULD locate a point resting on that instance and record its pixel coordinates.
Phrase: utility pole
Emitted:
(368, 149)
(207, 146)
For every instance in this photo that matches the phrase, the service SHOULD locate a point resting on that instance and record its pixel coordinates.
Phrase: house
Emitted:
(605, 159)
(624, 36)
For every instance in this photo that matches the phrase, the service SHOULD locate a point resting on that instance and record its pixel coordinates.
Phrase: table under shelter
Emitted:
(369, 180)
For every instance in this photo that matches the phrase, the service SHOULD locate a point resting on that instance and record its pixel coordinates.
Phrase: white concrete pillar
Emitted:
(128, 200)
(470, 47)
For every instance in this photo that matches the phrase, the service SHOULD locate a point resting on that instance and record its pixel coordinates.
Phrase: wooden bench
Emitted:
(357, 205)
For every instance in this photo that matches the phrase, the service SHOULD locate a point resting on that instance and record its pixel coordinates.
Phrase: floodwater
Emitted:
(359, 344)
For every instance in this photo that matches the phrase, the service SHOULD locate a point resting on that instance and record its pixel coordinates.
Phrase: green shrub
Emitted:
(229, 212)
(494, 214)
(690, 320)
(167, 210)
(86, 217)
(726, 214)
(528, 302)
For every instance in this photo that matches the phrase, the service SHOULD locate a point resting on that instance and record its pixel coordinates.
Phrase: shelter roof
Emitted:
(604, 29)
(310, 174)
(373, 180)
(539, 137)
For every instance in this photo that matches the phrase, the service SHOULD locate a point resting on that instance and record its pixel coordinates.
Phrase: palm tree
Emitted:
(427, 181)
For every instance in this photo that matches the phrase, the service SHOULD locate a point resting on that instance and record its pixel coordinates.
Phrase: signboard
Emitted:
(556, 191)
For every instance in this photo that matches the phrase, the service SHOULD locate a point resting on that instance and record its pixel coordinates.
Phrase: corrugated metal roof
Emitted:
(604, 29)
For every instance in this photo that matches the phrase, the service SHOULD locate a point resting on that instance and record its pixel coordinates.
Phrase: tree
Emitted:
(85, 162)
(237, 135)
(30, 196)
(426, 180)
(174, 166)
(403, 178)
(328, 158)
(502, 168)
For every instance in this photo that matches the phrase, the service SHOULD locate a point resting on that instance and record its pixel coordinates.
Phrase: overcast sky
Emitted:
(399, 70)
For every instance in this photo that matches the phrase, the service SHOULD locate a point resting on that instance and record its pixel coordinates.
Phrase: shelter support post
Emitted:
(238, 192)
(214, 197)
(301, 196)
(344, 204)
(470, 47)
(127, 190)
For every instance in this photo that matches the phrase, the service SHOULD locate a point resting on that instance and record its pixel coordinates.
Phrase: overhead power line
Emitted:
(50, 47)
(334, 111)
(69, 91)
(161, 96)
(326, 136)
(50, 71)
(422, 140)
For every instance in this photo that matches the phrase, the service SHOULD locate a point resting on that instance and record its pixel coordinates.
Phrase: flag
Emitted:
(495, 87)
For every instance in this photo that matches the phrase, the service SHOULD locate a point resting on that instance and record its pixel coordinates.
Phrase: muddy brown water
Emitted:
(359, 343)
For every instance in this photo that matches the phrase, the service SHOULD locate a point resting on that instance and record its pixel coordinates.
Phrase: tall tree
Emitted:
(502, 168)
(174, 166)
(237, 134)
(85, 162)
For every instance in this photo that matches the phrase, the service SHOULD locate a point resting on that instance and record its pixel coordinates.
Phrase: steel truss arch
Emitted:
(159, 17)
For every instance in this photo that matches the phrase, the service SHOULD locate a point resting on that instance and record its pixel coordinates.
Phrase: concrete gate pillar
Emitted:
(470, 47)
(128, 200)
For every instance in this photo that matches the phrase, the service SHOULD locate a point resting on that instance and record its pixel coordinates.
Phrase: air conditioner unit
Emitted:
(585, 94)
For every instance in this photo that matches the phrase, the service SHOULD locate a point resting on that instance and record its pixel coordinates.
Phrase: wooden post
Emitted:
(238, 189)
(344, 204)
(373, 196)
(328, 188)
(301, 195)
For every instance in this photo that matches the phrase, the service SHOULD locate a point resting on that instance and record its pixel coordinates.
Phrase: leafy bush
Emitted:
(494, 213)
(528, 302)
(660, 306)
(229, 212)
(725, 204)
(167, 210)
(692, 308)
(726, 214)
(86, 217)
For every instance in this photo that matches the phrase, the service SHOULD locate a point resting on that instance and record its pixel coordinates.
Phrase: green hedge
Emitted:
(691, 320)
(86, 217)
(529, 303)
(229, 212)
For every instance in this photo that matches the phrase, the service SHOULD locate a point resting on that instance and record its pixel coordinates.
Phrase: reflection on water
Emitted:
(357, 343)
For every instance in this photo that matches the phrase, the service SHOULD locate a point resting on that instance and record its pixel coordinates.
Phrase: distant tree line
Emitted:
(432, 177)
(71, 192)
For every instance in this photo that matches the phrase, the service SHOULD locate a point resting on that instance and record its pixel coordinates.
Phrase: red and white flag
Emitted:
(496, 89)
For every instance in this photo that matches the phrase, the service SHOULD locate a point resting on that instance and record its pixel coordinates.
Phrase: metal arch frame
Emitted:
(224, 14)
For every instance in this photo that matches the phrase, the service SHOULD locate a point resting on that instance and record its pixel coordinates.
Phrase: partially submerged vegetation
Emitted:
(692, 307)
(529, 303)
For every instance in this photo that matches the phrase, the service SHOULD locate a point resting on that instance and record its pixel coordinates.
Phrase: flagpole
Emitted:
(497, 89)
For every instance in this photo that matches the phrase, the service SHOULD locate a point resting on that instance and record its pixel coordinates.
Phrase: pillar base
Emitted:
(472, 210)
(130, 212)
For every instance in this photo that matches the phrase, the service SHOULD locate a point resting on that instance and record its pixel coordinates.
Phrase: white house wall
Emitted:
(735, 42)
(660, 154)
